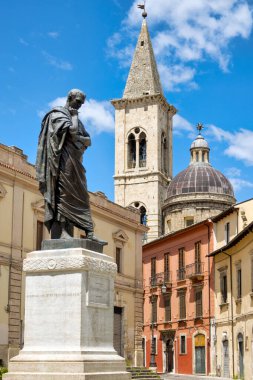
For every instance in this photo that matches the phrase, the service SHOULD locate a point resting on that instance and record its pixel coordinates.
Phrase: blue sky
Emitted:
(205, 58)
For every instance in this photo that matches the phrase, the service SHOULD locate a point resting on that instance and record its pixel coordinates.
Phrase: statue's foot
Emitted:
(90, 235)
(65, 235)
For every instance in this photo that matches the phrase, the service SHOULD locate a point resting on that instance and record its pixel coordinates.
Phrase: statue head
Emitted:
(75, 98)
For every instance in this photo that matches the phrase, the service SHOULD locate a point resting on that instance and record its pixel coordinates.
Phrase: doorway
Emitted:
(241, 354)
(225, 359)
(200, 354)
(117, 331)
(169, 352)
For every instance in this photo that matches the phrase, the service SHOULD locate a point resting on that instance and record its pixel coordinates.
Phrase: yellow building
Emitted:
(22, 230)
(233, 260)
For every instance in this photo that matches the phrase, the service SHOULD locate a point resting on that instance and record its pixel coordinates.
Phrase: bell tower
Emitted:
(143, 138)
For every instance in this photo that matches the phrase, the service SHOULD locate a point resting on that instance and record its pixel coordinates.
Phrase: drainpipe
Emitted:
(232, 309)
(209, 292)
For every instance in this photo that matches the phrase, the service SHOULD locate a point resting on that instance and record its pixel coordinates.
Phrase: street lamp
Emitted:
(152, 355)
(153, 348)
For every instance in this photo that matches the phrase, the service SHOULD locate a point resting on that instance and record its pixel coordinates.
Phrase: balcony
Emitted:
(195, 271)
(181, 274)
(160, 278)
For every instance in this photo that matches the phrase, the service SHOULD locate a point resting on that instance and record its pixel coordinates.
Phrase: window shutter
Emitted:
(239, 283)
(154, 309)
(198, 300)
(167, 306)
(182, 311)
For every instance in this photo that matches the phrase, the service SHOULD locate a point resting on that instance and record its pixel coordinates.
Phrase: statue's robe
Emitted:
(60, 172)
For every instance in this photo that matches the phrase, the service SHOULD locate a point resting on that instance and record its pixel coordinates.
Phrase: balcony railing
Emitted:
(181, 274)
(160, 278)
(195, 271)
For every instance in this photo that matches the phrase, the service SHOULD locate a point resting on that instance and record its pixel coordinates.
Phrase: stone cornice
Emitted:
(71, 263)
(144, 100)
(193, 198)
(133, 174)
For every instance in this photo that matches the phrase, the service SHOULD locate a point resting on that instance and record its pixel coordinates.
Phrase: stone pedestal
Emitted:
(68, 318)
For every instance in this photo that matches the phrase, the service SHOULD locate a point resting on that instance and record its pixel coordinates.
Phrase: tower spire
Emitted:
(143, 78)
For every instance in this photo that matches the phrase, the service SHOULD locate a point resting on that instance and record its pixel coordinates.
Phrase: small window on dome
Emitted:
(188, 221)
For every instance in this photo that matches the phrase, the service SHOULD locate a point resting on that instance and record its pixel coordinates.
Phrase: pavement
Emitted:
(176, 376)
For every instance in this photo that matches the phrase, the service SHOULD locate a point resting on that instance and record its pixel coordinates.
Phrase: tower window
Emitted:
(142, 150)
(163, 153)
(131, 151)
(143, 215)
(142, 43)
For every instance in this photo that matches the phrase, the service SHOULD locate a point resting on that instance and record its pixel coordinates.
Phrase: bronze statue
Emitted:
(61, 175)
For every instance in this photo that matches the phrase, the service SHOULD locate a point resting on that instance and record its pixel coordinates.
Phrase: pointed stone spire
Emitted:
(143, 78)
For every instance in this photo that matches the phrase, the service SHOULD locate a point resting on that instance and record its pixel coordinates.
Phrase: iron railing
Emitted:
(160, 278)
(181, 274)
(195, 269)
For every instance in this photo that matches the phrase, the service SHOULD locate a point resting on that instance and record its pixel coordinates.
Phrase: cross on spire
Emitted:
(200, 127)
(142, 6)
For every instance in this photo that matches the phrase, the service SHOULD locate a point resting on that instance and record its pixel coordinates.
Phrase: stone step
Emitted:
(143, 373)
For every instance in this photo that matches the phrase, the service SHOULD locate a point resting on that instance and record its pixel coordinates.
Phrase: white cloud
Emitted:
(240, 184)
(175, 75)
(23, 42)
(186, 32)
(233, 172)
(181, 125)
(239, 143)
(56, 62)
(96, 116)
(53, 35)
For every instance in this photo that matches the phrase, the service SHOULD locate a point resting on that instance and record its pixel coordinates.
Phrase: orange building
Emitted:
(179, 300)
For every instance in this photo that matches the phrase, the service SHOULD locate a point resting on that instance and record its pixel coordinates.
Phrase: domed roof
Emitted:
(200, 178)
(199, 142)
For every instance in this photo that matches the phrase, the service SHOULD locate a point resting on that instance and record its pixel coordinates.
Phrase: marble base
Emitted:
(57, 244)
(68, 318)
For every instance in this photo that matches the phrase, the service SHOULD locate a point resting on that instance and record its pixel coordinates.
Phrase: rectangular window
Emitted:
(119, 259)
(39, 239)
(154, 344)
(188, 222)
(239, 283)
(252, 274)
(166, 264)
(198, 303)
(167, 307)
(227, 232)
(181, 266)
(198, 252)
(168, 225)
(223, 287)
(182, 344)
(154, 309)
(182, 305)
(153, 271)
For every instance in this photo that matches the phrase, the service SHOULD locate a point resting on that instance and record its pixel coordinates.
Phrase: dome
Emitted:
(200, 178)
(199, 142)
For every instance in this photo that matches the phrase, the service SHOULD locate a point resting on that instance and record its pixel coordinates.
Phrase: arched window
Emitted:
(163, 153)
(143, 215)
(131, 151)
(142, 150)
